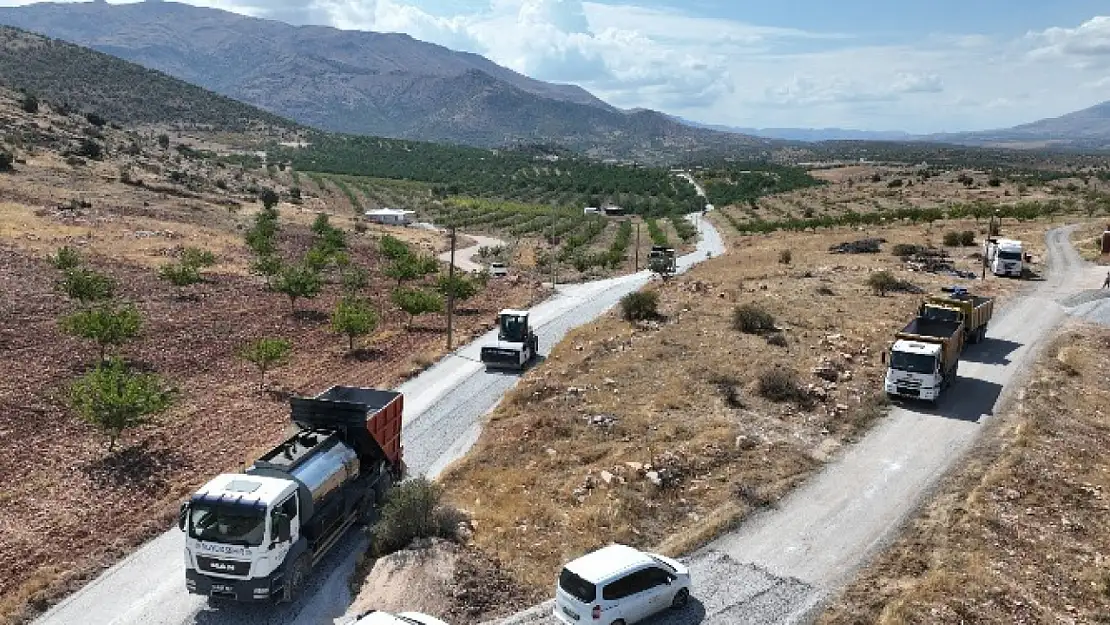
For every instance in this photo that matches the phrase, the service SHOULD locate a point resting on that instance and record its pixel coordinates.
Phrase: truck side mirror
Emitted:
(182, 516)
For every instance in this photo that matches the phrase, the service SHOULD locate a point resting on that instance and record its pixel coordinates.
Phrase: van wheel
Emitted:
(298, 574)
(681, 598)
(619, 621)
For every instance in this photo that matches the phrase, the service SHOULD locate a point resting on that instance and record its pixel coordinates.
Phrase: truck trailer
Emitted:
(960, 306)
(255, 535)
(924, 358)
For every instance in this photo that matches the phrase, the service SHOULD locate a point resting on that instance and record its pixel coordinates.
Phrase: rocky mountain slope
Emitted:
(361, 82)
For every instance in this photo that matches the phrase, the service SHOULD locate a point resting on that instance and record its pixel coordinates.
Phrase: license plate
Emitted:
(908, 391)
(570, 613)
(223, 588)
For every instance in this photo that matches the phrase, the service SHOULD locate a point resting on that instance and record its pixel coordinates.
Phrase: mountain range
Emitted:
(388, 85)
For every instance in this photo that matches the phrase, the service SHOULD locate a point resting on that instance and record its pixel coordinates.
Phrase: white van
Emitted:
(619, 585)
(498, 270)
(1006, 257)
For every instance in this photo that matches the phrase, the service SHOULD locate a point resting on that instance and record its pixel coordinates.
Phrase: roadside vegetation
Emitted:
(1019, 535)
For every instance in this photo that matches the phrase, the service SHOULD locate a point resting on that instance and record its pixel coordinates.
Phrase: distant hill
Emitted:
(86, 80)
(807, 135)
(362, 82)
(1088, 129)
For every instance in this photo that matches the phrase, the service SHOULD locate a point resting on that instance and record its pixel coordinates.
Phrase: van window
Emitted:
(628, 585)
(577, 587)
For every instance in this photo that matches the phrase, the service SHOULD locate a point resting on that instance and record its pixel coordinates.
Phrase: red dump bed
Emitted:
(369, 419)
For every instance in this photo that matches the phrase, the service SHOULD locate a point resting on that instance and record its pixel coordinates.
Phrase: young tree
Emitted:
(269, 198)
(66, 258)
(403, 269)
(269, 266)
(882, 282)
(107, 325)
(265, 354)
(457, 286)
(163, 141)
(355, 279)
(417, 302)
(179, 274)
(113, 399)
(85, 285)
(322, 225)
(393, 248)
(197, 257)
(353, 317)
(298, 281)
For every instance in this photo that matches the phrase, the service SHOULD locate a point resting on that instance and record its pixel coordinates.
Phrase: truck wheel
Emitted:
(298, 575)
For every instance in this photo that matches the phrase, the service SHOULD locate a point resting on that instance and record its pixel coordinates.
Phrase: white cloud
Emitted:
(1089, 39)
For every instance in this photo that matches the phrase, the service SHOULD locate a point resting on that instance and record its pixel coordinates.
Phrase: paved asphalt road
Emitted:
(782, 565)
(444, 408)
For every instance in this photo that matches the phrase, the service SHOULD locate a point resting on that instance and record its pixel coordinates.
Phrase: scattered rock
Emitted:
(653, 477)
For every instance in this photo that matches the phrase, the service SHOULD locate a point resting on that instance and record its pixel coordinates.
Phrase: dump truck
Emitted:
(517, 343)
(923, 359)
(661, 260)
(254, 536)
(958, 305)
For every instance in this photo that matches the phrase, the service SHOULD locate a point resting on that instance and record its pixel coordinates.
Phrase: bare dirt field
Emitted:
(1020, 535)
(69, 508)
(663, 433)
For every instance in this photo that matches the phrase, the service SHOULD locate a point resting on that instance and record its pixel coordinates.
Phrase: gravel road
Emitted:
(464, 255)
(444, 408)
(782, 565)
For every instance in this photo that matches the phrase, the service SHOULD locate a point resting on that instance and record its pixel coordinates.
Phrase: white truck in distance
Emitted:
(1006, 257)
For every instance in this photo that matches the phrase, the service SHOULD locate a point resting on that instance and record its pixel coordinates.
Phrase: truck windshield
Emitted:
(512, 328)
(934, 313)
(228, 524)
(1009, 255)
(912, 363)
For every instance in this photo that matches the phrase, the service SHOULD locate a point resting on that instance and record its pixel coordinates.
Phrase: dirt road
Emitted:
(444, 408)
(464, 256)
(781, 565)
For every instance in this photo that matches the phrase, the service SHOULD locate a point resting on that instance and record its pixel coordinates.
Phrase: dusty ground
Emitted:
(455, 583)
(573, 458)
(63, 493)
(1088, 240)
(1020, 535)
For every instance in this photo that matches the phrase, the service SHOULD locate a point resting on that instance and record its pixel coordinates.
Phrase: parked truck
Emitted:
(924, 357)
(255, 535)
(1005, 257)
(960, 306)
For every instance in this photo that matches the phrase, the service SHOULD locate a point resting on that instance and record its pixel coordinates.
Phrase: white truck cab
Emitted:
(233, 538)
(1006, 257)
(915, 369)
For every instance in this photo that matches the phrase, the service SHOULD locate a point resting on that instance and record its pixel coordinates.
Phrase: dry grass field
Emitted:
(661, 433)
(1021, 534)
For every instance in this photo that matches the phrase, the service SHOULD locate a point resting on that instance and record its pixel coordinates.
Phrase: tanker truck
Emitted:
(255, 535)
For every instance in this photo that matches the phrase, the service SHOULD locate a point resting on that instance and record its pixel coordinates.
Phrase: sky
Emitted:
(935, 66)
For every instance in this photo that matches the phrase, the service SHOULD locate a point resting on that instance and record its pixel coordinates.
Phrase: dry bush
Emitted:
(785, 257)
(777, 339)
(952, 239)
(779, 384)
(882, 282)
(751, 319)
(640, 306)
(413, 510)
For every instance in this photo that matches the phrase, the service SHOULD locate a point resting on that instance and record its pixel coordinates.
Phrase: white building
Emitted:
(390, 216)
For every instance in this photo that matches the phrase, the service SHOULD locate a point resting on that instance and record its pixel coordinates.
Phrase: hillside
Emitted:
(1087, 129)
(70, 76)
(361, 82)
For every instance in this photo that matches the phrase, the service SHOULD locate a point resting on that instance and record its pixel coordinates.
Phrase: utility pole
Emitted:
(451, 289)
(637, 247)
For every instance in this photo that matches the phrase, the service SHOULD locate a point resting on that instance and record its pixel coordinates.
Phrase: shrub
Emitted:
(30, 104)
(355, 279)
(995, 182)
(826, 291)
(417, 302)
(640, 306)
(298, 281)
(785, 256)
(266, 354)
(179, 274)
(108, 326)
(906, 249)
(66, 258)
(163, 141)
(951, 239)
(781, 385)
(967, 238)
(777, 339)
(412, 510)
(267, 266)
(85, 285)
(7, 160)
(197, 257)
(353, 317)
(751, 319)
(393, 248)
(95, 119)
(268, 197)
(113, 399)
(90, 149)
(881, 282)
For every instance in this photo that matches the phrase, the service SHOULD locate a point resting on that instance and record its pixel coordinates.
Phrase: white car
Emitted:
(619, 585)
(498, 270)
(376, 617)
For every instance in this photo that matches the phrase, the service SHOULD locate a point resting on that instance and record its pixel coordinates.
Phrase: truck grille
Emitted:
(499, 355)
(238, 568)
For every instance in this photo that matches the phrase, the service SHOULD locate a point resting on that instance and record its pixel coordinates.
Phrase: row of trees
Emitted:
(742, 183)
